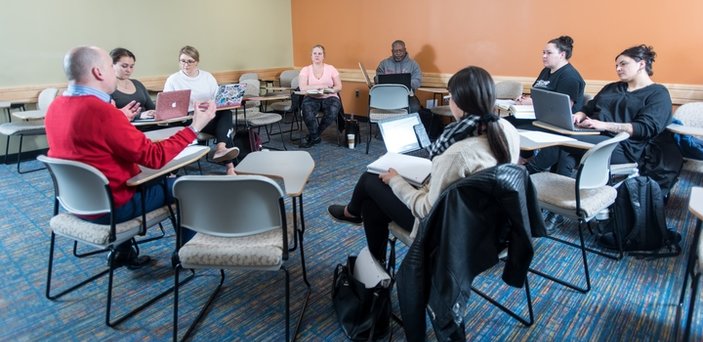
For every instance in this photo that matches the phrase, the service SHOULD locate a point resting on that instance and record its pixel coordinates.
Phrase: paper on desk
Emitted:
(544, 137)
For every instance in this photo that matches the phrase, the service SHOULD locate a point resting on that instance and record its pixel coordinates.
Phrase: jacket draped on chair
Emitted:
(472, 222)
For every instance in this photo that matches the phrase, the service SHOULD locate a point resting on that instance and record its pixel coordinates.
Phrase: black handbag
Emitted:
(364, 314)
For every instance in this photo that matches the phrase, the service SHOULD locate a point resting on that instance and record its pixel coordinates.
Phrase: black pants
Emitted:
(376, 203)
(221, 127)
(564, 160)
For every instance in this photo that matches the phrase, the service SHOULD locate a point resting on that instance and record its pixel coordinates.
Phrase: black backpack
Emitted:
(640, 222)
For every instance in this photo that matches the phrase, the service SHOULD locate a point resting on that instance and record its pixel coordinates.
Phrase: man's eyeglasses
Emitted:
(189, 62)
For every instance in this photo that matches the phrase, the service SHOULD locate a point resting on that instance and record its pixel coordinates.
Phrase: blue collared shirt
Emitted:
(81, 90)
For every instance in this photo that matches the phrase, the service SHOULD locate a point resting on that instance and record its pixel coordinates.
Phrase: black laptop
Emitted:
(403, 79)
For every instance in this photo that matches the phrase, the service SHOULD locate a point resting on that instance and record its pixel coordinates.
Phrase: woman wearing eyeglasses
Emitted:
(203, 87)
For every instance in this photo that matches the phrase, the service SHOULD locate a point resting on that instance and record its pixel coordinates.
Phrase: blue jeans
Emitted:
(155, 196)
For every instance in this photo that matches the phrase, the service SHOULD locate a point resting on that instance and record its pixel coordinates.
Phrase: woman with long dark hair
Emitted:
(479, 139)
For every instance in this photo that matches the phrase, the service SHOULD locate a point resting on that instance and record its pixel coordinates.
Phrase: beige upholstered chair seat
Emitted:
(33, 127)
(98, 234)
(380, 114)
(558, 191)
(262, 250)
(442, 110)
(264, 119)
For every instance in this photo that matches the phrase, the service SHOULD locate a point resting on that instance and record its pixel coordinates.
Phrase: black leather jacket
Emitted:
(471, 223)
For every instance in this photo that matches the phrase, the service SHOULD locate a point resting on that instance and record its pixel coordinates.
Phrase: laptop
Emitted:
(554, 109)
(403, 79)
(404, 133)
(229, 95)
(169, 105)
(366, 75)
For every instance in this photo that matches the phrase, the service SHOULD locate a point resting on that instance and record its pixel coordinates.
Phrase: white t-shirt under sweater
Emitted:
(202, 87)
(460, 160)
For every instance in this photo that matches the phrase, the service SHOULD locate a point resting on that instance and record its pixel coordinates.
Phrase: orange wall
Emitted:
(506, 37)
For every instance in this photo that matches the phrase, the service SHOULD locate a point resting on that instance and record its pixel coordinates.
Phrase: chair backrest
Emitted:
(508, 90)
(46, 96)
(388, 96)
(295, 82)
(252, 86)
(691, 114)
(287, 76)
(80, 188)
(229, 206)
(594, 169)
(248, 76)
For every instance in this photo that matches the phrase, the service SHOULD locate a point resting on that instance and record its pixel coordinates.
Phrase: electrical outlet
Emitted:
(356, 92)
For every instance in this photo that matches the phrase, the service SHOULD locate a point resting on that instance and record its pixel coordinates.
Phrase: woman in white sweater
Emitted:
(479, 139)
(203, 87)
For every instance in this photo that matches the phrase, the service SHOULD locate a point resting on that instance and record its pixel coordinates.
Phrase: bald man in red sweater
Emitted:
(83, 125)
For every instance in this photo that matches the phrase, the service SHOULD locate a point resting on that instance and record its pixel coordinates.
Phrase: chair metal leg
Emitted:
(526, 322)
(160, 236)
(19, 159)
(50, 269)
(691, 306)
(368, 139)
(689, 273)
(308, 290)
(82, 255)
(582, 247)
(203, 311)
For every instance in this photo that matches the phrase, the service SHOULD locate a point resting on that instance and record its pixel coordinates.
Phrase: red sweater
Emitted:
(86, 129)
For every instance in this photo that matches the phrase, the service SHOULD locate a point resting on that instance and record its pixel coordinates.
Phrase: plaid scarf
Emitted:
(454, 132)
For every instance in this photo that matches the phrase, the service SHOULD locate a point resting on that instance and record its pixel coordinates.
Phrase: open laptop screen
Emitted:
(403, 79)
(399, 133)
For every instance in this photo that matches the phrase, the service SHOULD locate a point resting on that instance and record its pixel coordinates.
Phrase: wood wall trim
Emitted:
(680, 93)
(30, 93)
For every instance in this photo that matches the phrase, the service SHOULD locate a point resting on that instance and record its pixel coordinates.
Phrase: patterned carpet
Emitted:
(632, 299)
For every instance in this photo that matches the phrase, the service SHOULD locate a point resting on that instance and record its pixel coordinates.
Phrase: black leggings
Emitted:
(221, 127)
(376, 203)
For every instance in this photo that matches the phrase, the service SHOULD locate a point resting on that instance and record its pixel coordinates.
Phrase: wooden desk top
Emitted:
(434, 90)
(293, 167)
(274, 97)
(534, 140)
(189, 155)
(685, 130)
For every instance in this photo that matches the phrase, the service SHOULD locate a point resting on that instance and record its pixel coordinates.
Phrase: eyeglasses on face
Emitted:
(188, 61)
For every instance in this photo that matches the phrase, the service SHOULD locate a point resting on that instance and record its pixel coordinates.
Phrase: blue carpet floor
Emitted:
(632, 299)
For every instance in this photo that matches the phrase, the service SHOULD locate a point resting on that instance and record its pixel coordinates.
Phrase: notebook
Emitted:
(403, 133)
(171, 104)
(229, 95)
(366, 75)
(403, 79)
(554, 109)
(415, 170)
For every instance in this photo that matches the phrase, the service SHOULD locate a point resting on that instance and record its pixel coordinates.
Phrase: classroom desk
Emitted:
(560, 130)
(293, 167)
(189, 155)
(161, 122)
(162, 134)
(437, 93)
(685, 130)
(534, 140)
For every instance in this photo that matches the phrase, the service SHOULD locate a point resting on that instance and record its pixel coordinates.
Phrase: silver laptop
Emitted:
(404, 133)
(554, 109)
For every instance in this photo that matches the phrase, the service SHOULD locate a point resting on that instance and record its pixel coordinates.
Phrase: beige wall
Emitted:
(230, 35)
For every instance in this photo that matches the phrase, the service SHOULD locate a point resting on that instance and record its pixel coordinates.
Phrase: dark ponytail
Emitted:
(472, 89)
